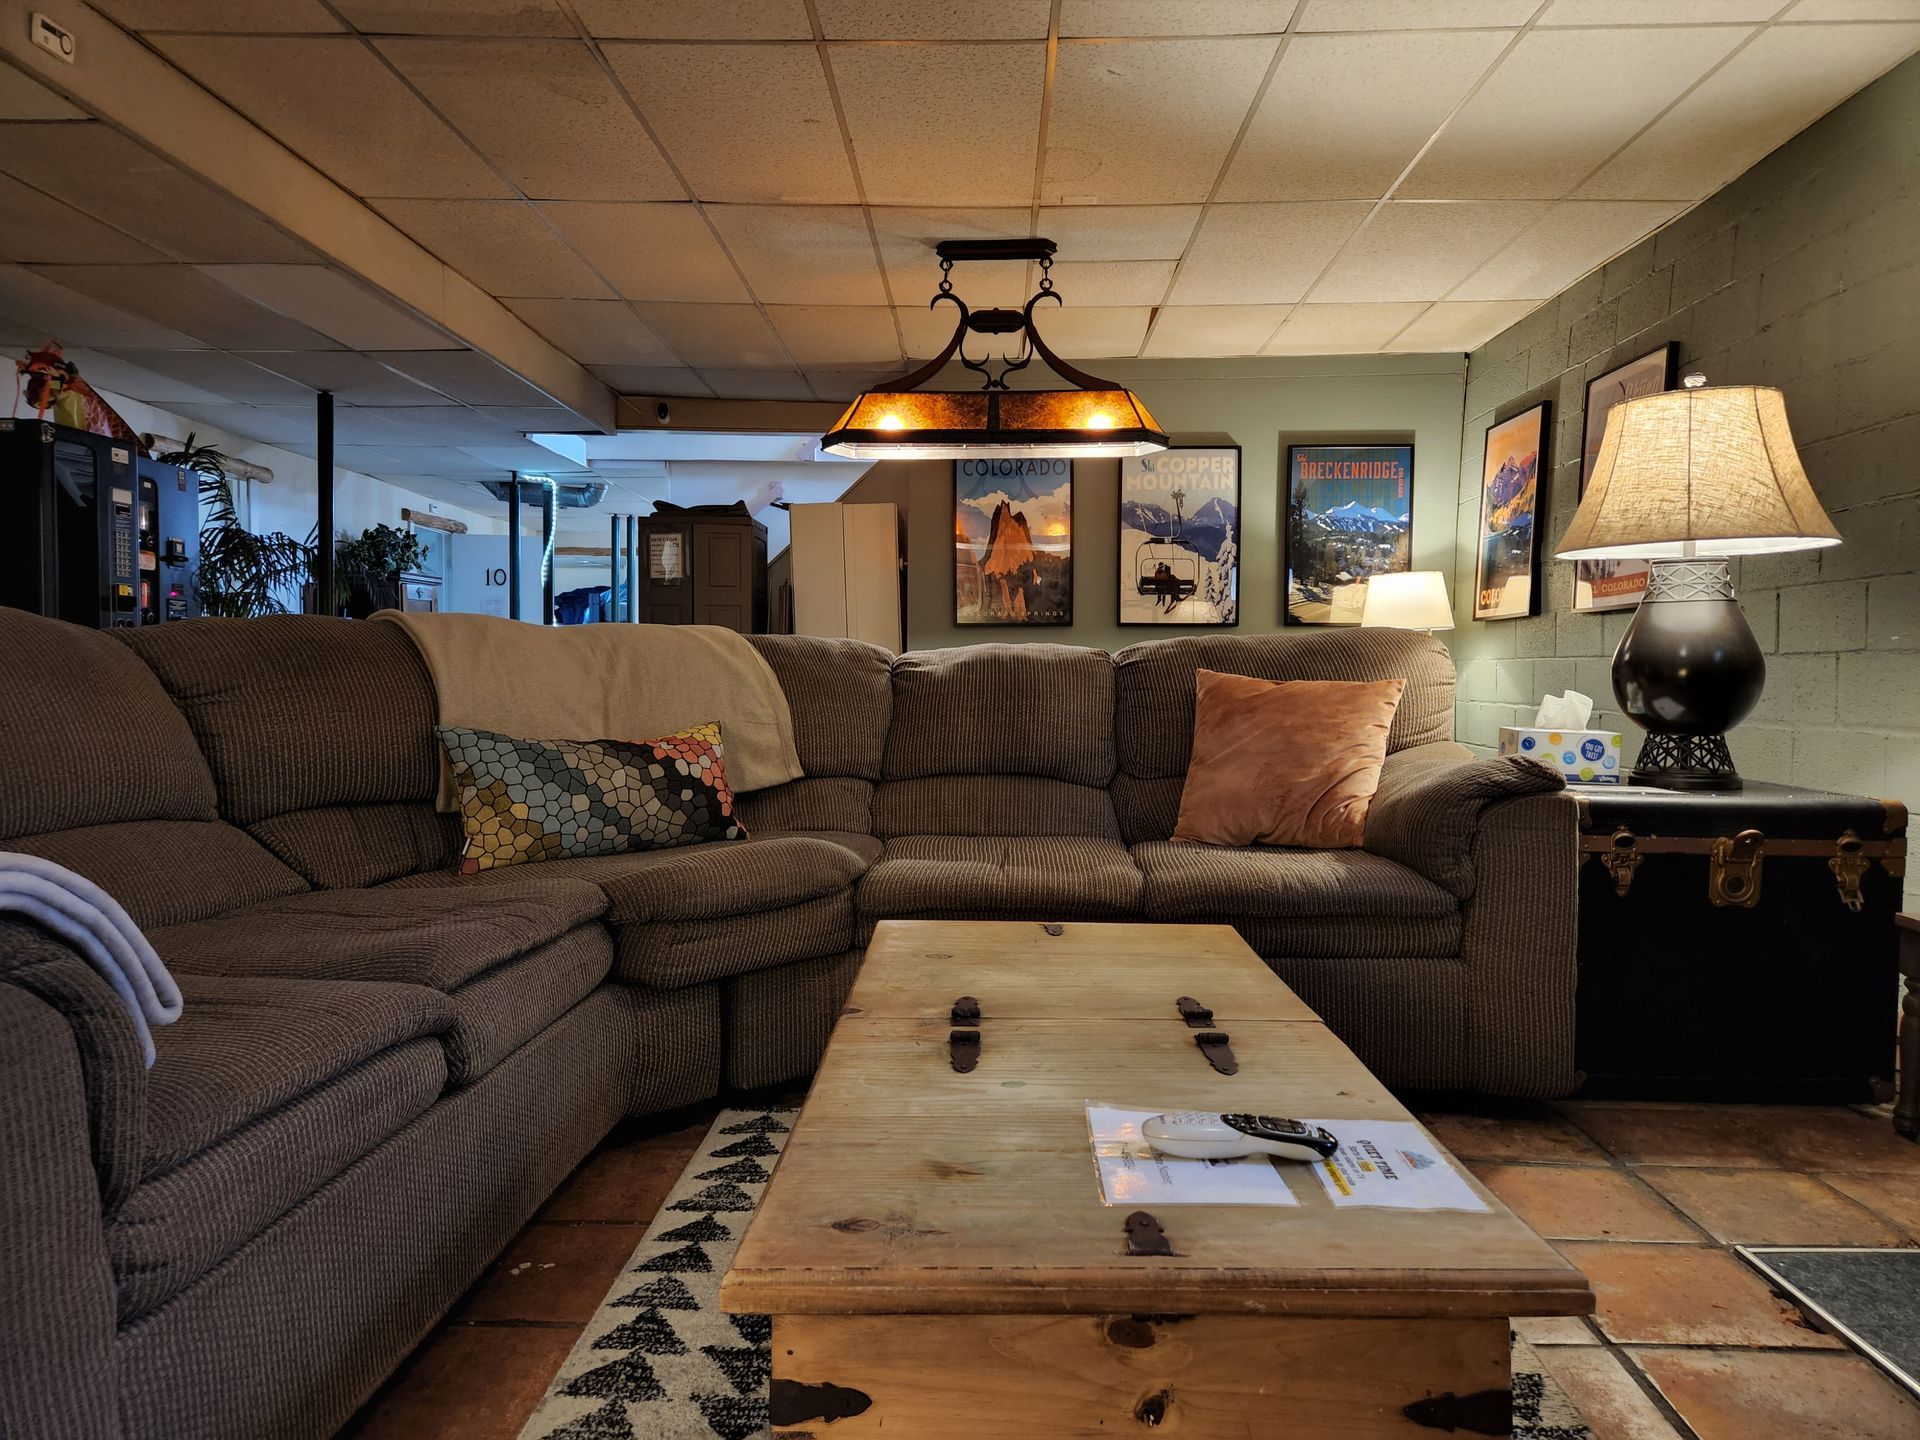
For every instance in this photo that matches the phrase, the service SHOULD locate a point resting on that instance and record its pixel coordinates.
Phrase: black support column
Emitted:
(614, 603)
(633, 568)
(513, 548)
(323, 524)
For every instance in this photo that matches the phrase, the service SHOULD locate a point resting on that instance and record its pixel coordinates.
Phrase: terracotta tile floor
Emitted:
(1689, 1343)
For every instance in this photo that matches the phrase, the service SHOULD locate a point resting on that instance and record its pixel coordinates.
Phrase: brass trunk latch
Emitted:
(1733, 874)
(1850, 864)
(1622, 860)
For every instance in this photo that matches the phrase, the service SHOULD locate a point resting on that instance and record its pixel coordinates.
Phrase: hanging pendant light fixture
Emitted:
(900, 421)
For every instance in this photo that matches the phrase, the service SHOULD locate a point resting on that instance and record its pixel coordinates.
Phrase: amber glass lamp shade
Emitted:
(957, 425)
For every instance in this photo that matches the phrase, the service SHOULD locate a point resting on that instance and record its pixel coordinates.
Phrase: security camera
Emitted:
(663, 412)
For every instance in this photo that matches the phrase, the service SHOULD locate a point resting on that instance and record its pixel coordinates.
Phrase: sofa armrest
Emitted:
(56, 1287)
(1519, 944)
(1430, 802)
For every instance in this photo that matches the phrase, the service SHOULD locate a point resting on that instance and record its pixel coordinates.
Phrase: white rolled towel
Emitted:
(96, 925)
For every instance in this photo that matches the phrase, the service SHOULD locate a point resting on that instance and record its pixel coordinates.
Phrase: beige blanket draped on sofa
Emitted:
(607, 682)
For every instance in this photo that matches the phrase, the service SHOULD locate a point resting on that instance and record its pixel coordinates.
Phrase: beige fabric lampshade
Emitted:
(1416, 600)
(1714, 468)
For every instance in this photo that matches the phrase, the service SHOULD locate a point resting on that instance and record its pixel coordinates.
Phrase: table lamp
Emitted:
(1684, 479)
(1413, 600)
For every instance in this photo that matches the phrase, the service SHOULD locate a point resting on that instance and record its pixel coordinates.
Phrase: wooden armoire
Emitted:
(703, 565)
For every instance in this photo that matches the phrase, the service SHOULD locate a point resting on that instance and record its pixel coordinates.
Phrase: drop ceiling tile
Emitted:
(594, 332)
(1203, 330)
(100, 171)
(1560, 104)
(730, 337)
(51, 311)
(365, 460)
(651, 252)
(464, 375)
(1112, 283)
(1120, 232)
(289, 16)
(445, 460)
(455, 17)
(34, 227)
(818, 336)
(331, 101)
(1109, 18)
(907, 237)
(454, 425)
(753, 124)
(503, 246)
(802, 254)
(526, 457)
(1786, 79)
(181, 297)
(544, 112)
(121, 376)
(1658, 12)
(650, 379)
(1413, 14)
(843, 385)
(943, 124)
(226, 379)
(1314, 151)
(1094, 332)
(353, 379)
(925, 332)
(1148, 121)
(1342, 329)
(758, 384)
(1411, 251)
(1266, 254)
(916, 20)
(1572, 238)
(280, 425)
(1815, 10)
(708, 20)
(1457, 325)
(537, 419)
(24, 98)
(333, 303)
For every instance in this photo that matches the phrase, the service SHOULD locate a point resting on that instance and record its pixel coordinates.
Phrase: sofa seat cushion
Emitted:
(1301, 902)
(1012, 877)
(511, 958)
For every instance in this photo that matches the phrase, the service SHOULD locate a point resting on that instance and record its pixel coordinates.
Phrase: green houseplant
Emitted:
(367, 567)
(240, 573)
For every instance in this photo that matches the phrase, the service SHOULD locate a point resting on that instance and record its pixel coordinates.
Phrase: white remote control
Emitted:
(1204, 1135)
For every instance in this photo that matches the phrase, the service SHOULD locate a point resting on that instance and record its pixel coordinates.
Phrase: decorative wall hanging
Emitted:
(1349, 517)
(1616, 584)
(1012, 541)
(1180, 537)
(1507, 561)
(900, 421)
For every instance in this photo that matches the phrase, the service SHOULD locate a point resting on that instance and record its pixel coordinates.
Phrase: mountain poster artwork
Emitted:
(1180, 537)
(1507, 582)
(1013, 542)
(1349, 518)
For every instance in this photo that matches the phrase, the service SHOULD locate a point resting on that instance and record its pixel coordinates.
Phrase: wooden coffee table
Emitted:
(937, 1259)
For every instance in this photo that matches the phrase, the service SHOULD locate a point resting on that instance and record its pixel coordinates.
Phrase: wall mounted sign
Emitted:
(1616, 584)
(1349, 517)
(1180, 537)
(1507, 563)
(1012, 541)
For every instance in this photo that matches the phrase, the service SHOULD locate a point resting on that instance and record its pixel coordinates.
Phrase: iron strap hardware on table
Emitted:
(963, 1044)
(1213, 1045)
(1145, 1237)
(1197, 1016)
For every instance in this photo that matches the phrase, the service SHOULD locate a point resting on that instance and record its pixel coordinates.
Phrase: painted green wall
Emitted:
(1263, 405)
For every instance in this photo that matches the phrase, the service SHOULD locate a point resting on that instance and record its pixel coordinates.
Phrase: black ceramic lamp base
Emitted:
(1688, 670)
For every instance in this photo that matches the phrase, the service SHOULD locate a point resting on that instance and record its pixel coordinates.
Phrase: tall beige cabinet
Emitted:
(845, 572)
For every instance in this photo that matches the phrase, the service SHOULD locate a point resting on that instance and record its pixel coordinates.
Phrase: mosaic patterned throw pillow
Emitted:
(523, 800)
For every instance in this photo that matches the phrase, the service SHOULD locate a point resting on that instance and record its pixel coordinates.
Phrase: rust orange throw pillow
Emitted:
(1290, 762)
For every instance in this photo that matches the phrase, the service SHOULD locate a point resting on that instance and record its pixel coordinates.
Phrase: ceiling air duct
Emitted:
(567, 494)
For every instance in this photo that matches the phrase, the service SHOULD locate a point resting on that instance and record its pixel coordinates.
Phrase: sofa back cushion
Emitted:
(841, 696)
(303, 717)
(1154, 700)
(999, 739)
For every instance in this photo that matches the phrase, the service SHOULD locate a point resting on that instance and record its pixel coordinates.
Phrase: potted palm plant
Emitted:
(240, 573)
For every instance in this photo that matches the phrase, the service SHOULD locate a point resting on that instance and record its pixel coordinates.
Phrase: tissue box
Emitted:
(1590, 757)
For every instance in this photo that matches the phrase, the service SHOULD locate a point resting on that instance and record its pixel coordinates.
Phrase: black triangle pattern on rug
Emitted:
(757, 1145)
(758, 1125)
(669, 1292)
(734, 1417)
(648, 1332)
(628, 1378)
(754, 1329)
(747, 1367)
(721, 1198)
(609, 1422)
(747, 1169)
(703, 1229)
(687, 1260)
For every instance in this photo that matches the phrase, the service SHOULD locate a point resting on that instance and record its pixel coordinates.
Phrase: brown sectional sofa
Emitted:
(384, 1067)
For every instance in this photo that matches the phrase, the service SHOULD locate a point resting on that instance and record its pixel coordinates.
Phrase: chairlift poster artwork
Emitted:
(1507, 568)
(1180, 537)
(1349, 518)
(1013, 541)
